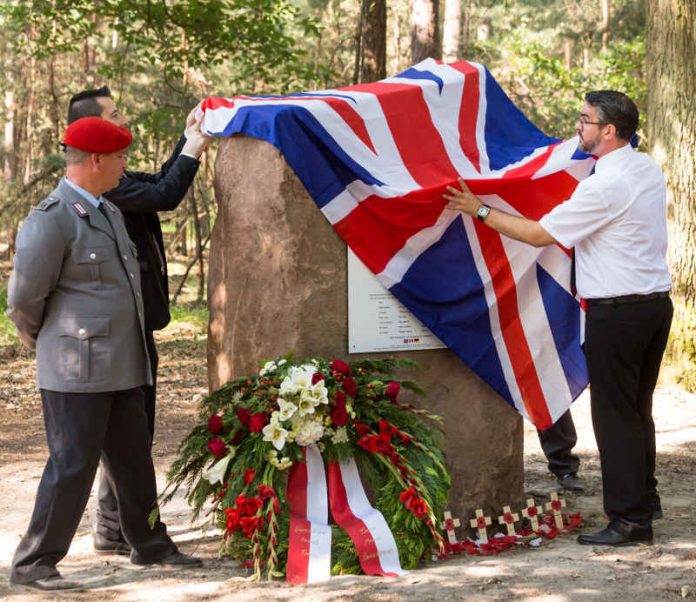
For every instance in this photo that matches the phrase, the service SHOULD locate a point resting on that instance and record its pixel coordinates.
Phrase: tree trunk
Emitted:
(606, 8)
(373, 45)
(425, 31)
(671, 77)
(451, 34)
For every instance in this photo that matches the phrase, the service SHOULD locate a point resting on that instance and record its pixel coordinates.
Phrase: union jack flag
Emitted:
(376, 158)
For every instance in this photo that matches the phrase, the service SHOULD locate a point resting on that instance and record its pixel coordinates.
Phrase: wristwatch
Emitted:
(482, 212)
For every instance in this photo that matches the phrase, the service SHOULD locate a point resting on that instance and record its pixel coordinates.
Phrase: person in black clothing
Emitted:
(140, 196)
(558, 442)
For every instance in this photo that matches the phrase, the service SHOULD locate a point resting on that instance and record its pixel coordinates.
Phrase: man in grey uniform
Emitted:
(75, 296)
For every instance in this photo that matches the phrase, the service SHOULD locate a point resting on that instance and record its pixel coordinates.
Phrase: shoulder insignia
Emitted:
(80, 210)
(47, 203)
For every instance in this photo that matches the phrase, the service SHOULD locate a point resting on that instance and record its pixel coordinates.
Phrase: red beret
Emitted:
(97, 135)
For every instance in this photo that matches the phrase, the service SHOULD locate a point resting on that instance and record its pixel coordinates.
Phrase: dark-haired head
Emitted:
(615, 108)
(86, 104)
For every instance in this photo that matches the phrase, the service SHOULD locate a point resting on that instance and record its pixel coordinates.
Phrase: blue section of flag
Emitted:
(413, 73)
(323, 166)
(564, 317)
(450, 301)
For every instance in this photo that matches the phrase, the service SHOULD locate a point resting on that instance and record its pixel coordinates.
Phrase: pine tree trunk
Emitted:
(671, 74)
(373, 43)
(451, 34)
(425, 31)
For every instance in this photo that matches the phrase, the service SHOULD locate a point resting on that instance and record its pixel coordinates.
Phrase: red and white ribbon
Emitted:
(366, 526)
(309, 546)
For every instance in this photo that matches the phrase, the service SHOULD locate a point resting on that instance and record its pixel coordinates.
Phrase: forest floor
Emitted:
(558, 570)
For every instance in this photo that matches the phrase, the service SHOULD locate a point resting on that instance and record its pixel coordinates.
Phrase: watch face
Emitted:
(482, 212)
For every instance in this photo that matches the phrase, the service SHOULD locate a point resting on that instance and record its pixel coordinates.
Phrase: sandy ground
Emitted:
(559, 570)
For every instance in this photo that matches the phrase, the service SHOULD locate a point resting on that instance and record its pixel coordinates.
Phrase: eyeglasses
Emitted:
(583, 122)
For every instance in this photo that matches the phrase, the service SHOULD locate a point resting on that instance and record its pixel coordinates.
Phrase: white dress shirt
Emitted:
(616, 220)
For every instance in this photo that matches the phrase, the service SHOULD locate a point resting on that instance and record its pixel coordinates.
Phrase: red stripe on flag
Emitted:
(215, 102)
(469, 112)
(521, 358)
(299, 538)
(352, 118)
(356, 528)
(414, 133)
(378, 228)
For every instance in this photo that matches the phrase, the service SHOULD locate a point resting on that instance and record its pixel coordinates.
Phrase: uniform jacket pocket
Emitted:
(84, 350)
(92, 258)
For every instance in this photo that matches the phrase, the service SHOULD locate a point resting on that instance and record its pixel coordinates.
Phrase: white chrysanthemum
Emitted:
(341, 435)
(287, 409)
(275, 433)
(309, 432)
(268, 367)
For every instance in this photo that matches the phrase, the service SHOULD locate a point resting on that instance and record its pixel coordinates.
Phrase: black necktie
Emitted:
(573, 289)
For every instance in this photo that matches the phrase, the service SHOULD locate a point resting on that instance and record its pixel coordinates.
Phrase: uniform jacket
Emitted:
(140, 196)
(75, 295)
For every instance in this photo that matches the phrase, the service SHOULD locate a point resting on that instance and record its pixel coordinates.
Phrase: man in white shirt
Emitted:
(616, 220)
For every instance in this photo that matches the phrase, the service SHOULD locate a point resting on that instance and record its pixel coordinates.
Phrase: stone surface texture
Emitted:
(278, 282)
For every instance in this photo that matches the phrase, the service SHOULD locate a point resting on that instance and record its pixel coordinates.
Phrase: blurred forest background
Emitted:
(160, 57)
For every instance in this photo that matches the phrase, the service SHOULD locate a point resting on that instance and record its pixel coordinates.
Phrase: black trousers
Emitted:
(81, 428)
(107, 525)
(624, 345)
(558, 442)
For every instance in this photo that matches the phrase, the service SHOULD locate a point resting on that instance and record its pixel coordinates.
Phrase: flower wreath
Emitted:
(261, 440)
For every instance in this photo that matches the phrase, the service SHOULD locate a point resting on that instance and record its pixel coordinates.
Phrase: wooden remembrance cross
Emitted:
(448, 525)
(480, 523)
(532, 511)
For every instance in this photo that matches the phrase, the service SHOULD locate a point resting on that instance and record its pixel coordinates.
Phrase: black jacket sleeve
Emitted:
(139, 192)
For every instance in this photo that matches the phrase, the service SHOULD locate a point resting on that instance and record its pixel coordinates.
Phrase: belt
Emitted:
(627, 299)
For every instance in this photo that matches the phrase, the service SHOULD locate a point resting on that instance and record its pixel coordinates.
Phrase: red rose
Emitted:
(340, 398)
(215, 424)
(316, 377)
(244, 414)
(362, 429)
(217, 447)
(350, 387)
(249, 475)
(339, 416)
(341, 367)
(392, 390)
(258, 421)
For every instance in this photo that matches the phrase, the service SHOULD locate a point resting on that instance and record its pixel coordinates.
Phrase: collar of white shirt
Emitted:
(612, 159)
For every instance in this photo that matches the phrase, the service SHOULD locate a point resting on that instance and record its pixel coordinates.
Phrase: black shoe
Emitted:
(177, 559)
(109, 546)
(571, 482)
(54, 583)
(618, 534)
